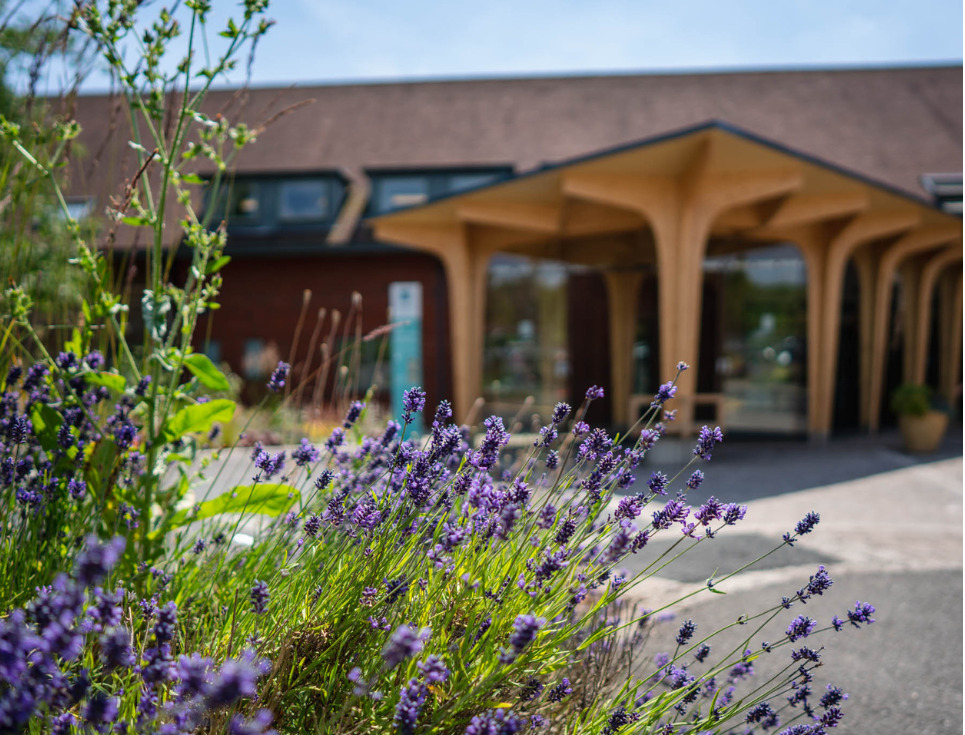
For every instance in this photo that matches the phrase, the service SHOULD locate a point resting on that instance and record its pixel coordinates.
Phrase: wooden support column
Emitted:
(926, 289)
(813, 251)
(866, 264)
(909, 280)
(622, 290)
(951, 345)
(863, 229)
(922, 240)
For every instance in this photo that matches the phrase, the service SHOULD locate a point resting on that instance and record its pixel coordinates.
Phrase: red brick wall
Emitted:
(262, 298)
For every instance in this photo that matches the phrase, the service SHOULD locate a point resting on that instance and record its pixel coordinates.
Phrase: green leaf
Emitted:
(109, 380)
(264, 499)
(206, 372)
(136, 221)
(218, 264)
(46, 422)
(192, 179)
(197, 418)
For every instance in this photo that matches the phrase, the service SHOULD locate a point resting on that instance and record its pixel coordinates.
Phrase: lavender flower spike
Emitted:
(278, 377)
(404, 643)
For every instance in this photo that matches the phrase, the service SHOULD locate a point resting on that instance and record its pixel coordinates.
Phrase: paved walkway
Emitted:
(892, 538)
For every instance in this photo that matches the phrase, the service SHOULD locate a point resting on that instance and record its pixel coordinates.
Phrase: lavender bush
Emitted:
(384, 582)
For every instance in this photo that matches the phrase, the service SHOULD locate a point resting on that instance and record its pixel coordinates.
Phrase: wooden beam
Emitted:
(542, 218)
(805, 209)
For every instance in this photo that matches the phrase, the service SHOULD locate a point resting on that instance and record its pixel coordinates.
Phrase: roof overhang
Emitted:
(585, 211)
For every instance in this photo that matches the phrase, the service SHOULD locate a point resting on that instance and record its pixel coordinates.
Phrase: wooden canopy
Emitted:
(670, 201)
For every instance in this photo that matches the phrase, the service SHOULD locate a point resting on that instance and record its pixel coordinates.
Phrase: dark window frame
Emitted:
(270, 184)
(438, 181)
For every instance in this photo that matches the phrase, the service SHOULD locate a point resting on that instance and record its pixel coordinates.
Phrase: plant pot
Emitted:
(923, 433)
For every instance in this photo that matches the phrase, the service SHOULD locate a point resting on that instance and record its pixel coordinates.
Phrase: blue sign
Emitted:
(405, 343)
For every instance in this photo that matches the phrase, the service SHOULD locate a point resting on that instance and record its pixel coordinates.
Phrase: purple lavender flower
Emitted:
(681, 366)
(278, 377)
(269, 464)
(336, 439)
(706, 441)
(237, 679)
(324, 479)
(97, 559)
(433, 669)
(411, 700)
(658, 483)
(258, 725)
(818, 583)
(313, 525)
(711, 510)
(525, 628)
(807, 524)
(664, 393)
(733, 513)
(531, 690)
(194, 674)
(594, 392)
(100, 711)
(686, 632)
(832, 697)
(354, 411)
(494, 722)
(801, 627)
(413, 401)
(695, 480)
(20, 429)
(560, 691)
(861, 614)
(94, 360)
(580, 428)
(832, 717)
(404, 643)
(565, 531)
(673, 511)
(759, 712)
(627, 509)
(305, 454)
(560, 412)
(116, 649)
(496, 437)
(106, 610)
(259, 597)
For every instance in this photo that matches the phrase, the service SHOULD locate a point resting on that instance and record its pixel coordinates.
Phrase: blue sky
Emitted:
(342, 39)
(375, 40)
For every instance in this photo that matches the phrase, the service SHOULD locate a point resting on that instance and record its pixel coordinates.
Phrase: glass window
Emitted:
(401, 191)
(526, 352)
(462, 182)
(80, 208)
(239, 202)
(304, 200)
(761, 365)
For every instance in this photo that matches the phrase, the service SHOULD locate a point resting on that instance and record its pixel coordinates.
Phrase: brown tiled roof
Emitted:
(891, 125)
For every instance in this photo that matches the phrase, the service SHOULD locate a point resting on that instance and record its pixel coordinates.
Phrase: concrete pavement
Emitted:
(893, 539)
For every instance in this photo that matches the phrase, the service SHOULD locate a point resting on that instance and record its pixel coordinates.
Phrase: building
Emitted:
(793, 235)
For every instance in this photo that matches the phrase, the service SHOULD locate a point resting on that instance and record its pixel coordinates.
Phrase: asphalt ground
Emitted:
(890, 534)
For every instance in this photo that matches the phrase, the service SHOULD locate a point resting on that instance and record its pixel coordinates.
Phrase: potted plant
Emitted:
(921, 417)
